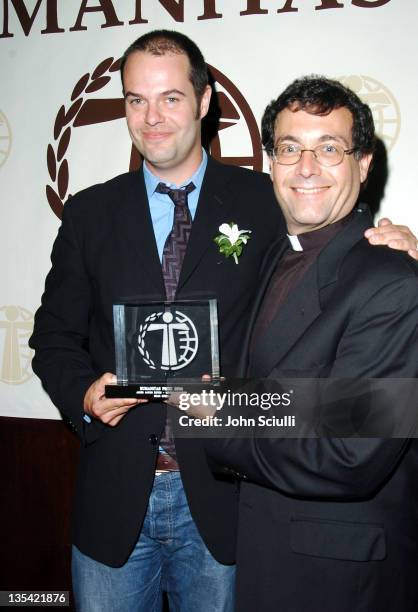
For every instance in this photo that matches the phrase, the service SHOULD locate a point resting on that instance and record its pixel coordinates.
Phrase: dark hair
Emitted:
(319, 96)
(160, 42)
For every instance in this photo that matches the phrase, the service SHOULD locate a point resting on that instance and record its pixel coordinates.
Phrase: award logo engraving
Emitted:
(5, 138)
(178, 340)
(16, 325)
(383, 104)
(160, 345)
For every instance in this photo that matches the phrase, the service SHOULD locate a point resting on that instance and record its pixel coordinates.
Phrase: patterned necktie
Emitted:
(173, 255)
(176, 243)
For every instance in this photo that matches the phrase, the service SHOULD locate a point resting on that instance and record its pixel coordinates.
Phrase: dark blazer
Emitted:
(332, 523)
(105, 252)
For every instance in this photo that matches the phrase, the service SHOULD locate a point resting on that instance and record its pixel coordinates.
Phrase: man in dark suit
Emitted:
(139, 528)
(109, 248)
(327, 523)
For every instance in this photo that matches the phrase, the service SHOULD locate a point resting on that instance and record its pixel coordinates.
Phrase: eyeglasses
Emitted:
(327, 154)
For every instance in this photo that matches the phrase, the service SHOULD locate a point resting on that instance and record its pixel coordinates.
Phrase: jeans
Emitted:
(169, 556)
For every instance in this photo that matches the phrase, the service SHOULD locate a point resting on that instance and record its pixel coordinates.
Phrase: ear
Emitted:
(364, 165)
(205, 101)
(271, 167)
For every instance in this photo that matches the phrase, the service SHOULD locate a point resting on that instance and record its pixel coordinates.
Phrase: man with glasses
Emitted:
(327, 523)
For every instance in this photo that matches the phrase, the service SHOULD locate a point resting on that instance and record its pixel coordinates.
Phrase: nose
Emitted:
(308, 164)
(153, 114)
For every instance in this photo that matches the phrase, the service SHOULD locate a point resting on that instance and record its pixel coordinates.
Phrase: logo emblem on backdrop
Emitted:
(16, 325)
(385, 109)
(177, 342)
(5, 138)
(84, 109)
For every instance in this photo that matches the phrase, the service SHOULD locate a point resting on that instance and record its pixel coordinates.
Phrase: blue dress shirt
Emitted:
(161, 205)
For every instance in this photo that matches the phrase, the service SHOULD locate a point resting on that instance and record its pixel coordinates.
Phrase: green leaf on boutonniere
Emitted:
(231, 240)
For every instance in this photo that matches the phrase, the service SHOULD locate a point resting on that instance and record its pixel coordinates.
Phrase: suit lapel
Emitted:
(135, 223)
(330, 258)
(215, 200)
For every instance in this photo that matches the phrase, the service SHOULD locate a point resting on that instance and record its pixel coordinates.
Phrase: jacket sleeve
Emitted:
(61, 331)
(380, 340)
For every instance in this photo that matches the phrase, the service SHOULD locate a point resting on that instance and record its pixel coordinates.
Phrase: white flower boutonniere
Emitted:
(231, 240)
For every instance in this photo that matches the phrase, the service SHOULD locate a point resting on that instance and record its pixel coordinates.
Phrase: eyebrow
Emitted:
(163, 93)
(286, 137)
(327, 137)
(324, 138)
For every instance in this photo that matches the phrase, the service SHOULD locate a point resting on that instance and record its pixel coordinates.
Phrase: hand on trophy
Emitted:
(109, 411)
(199, 403)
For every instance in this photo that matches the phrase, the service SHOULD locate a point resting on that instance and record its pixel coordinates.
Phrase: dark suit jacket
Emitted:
(106, 251)
(332, 523)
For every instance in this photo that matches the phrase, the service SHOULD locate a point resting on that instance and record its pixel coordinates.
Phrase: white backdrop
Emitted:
(47, 46)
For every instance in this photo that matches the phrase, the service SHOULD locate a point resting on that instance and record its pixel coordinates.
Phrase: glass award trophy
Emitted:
(162, 347)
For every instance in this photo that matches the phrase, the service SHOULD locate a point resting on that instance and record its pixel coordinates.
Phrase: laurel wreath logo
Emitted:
(141, 338)
(57, 163)
(66, 119)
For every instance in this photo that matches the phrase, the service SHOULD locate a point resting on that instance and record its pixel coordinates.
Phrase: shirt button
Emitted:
(153, 439)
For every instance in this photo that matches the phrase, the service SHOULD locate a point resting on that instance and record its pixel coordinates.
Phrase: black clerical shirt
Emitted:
(291, 268)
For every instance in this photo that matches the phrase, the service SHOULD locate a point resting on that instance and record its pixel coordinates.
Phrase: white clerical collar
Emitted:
(295, 243)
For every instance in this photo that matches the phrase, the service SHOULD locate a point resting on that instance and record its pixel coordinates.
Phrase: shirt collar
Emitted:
(295, 243)
(317, 239)
(151, 181)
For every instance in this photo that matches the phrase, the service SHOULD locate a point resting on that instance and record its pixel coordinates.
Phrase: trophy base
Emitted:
(151, 391)
(156, 391)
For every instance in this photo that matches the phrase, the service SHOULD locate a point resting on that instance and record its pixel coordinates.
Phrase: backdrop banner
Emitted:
(62, 124)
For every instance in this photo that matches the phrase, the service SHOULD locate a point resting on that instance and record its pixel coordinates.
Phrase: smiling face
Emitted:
(310, 195)
(163, 115)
